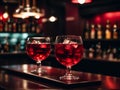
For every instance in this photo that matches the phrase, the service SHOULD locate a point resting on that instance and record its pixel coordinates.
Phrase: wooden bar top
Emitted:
(19, 77)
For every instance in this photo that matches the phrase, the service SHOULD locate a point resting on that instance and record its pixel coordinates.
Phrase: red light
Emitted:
(1, 18)
(98, 19)
(112, 14)
(110, 83)
(74, 1)
(81, 1)
(88, 1)
(113, 17)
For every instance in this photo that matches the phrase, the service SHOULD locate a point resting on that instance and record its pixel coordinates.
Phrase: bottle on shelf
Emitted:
(92, 32)
(19, 25)
(24, 27)
(29, 25)
(6, 45)
(91, 51)
(98, 51)
(17, 46)
(10, 25)
(6, 29)
(38, 28)
(108, 32)
(1, 25)
(86, 32)
(99, 32)
(115, 31)
(14, 26)
(33, 26)
(114, 51)
(110, 53)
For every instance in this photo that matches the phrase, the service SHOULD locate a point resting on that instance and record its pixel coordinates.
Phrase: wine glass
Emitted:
(38, 48)
(69, 51)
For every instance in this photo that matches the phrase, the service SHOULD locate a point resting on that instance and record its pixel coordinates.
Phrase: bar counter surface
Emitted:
(18, 77)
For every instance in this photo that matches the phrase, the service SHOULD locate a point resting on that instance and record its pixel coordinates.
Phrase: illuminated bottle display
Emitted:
(108, 30)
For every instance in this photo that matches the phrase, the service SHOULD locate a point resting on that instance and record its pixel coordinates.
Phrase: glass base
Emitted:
(38, 72)
(69, 77)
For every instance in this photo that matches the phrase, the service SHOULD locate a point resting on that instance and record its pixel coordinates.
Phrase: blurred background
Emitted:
(97, 21)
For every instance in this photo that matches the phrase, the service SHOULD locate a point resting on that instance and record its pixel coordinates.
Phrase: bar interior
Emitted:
(30, 37)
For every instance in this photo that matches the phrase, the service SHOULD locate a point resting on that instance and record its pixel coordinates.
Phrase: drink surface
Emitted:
(38, 52)
(69, 54)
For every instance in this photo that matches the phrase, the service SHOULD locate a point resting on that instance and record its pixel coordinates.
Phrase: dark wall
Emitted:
(74, 26)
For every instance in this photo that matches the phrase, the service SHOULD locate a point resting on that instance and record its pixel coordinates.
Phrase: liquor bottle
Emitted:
(10, 26)
(19, 27)
(38, 28)
(98, 52)
(33, 26)
(115, 31)
(86, 32)
(14, 26)
(6, 45)
(28, 27)
(114, 51)
(99, 32)
(91, 51)
(24, 27)
(92, 31)
(108, 30)
(6, 26)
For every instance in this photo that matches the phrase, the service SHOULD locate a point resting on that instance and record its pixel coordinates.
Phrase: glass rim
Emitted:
(69, 35)
(38, 37)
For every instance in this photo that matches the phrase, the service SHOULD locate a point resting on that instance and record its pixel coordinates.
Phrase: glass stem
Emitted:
(39, 67)
(68, 71)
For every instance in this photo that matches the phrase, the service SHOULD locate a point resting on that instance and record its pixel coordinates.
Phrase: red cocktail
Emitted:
(38, 48)
(38, 52)
(69, 54)
(69, 51)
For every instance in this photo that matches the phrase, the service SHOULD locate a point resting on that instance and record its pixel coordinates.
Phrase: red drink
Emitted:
(69, 54)
(38, 52)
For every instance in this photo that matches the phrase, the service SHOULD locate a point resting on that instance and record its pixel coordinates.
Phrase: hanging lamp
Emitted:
(25, 10)
(17, 13)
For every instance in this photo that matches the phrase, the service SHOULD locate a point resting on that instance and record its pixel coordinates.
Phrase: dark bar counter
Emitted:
(104, 67)
(18, 77)
(12, 76)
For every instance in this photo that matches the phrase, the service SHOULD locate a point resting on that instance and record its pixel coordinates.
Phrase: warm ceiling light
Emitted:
(81, 1)
(52, 19)
(25, 11)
